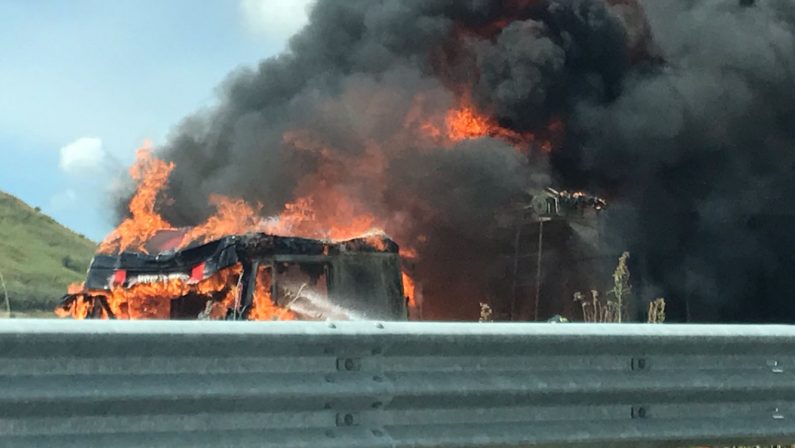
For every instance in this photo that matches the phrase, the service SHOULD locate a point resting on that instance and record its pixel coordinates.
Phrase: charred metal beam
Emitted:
(249, 282)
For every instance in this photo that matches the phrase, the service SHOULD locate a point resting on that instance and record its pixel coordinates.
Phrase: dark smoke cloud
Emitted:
(691, 133)
(700, 151)
(539, 68)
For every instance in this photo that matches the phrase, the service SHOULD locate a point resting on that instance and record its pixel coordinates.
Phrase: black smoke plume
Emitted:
(700, 152)
(690, 133)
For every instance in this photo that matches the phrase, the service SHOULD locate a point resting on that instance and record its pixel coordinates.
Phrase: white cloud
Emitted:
(275, 19)
(85, 154)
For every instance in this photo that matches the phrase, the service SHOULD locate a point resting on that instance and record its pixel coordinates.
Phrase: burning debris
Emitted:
(576, 202)
(580, 200)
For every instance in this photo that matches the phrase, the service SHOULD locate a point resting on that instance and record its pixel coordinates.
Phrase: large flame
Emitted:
(340, 219)
(264, 307)
(151, 300)
(466, 123)
(144, 222)
(232, 216)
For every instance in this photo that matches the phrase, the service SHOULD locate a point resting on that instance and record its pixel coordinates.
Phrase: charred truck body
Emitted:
(245, 277)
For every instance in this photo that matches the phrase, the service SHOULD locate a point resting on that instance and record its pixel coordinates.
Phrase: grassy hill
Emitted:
(38, 257)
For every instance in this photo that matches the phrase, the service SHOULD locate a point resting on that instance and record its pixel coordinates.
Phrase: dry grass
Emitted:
(656, 313)
(614, 309)
(621, 286)
(486, 313)
(594, 310)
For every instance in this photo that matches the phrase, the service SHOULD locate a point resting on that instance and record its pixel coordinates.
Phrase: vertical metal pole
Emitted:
(538, 266)
(516, 270)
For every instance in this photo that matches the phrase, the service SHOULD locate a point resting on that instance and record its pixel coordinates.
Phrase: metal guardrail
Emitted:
(366, 384)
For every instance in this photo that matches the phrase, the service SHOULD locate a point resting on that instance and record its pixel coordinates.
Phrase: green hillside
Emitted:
(38, 256)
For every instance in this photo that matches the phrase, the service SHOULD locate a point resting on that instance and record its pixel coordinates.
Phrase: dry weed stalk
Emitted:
(594, 311)
(486, 313)
(656, 313)
(621, 287)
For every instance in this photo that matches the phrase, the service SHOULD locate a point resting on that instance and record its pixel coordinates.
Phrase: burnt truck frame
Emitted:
(362, 274)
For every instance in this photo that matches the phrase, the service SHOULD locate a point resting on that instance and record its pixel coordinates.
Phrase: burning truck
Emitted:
(236, 266)
(245, 277)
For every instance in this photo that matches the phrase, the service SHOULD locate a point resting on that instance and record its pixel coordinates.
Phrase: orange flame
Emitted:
(326, 214)
(264, 307)
(79, 309)
(75, 288)
(323, 213)
(233, 216)
(144, 222)
(409, 290)
(152, 300)
(466, 122)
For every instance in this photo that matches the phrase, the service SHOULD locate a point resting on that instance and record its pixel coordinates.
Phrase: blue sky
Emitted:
(83, 83)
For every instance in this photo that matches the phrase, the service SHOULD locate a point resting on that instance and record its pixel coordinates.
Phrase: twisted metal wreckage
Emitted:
(315, 280)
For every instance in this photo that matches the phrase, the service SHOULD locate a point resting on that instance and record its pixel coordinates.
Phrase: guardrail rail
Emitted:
(369, 384)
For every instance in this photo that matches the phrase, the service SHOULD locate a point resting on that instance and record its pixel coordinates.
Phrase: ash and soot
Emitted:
(427, 118)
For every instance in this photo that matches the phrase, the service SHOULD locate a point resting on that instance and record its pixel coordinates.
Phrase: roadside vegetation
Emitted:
(613, 309)
(39, 258)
